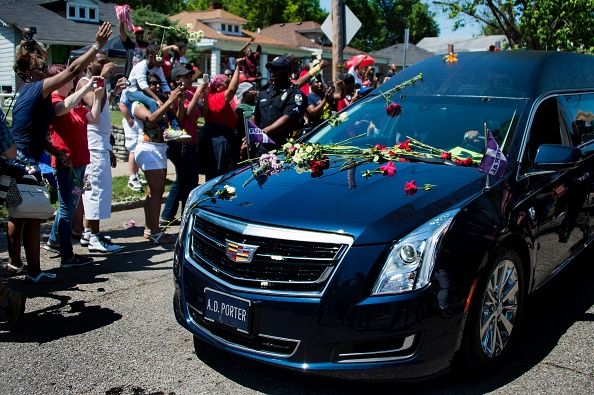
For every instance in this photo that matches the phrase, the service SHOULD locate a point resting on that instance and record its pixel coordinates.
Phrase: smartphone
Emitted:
(205, 78)
(100, 83)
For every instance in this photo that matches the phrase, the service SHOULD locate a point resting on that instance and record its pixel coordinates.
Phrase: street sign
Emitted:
(352, 23)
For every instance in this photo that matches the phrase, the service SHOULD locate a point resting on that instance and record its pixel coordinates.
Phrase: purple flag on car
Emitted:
(494, 162)
(257, 135)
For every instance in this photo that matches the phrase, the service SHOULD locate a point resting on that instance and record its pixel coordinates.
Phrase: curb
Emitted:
(115, 207)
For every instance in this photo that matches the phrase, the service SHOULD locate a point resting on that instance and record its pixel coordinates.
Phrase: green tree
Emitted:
(384, 22)
(145, 14)
(534, 24)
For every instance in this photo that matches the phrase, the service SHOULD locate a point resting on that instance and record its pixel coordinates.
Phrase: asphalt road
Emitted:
(109, 329)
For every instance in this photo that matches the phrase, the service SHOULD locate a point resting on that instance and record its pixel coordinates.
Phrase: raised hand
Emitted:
(103, 34)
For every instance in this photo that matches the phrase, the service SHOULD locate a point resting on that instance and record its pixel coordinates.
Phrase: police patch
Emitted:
(298, 99)
(284, 96)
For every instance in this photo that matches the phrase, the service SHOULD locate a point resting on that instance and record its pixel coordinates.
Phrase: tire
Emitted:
(495, 316)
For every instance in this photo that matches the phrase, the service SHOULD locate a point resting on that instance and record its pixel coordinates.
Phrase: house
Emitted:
(225, 35)
(62, 25)
(439, 45)
(396, 54)
(309, 36)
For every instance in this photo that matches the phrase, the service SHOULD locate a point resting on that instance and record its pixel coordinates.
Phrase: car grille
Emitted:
(278, 264)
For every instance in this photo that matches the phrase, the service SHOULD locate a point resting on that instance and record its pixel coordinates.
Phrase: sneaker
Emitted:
(100, 243)
(52, 247)
(135, 185)
(76, 260)
(176, 135)
(140, 177)
(86, 238)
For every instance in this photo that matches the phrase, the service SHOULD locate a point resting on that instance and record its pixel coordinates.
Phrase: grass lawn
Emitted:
(116, 118)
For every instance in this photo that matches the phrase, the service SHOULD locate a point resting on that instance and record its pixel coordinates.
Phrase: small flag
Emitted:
(257, 135)
(494, 162)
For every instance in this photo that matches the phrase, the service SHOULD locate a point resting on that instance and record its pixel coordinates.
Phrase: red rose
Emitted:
(379, 147)
(410, 187)
(391, 153)
(405, 146)
(393, 109)
(316, 167)
(403, 160)
(464, 162)
(446, 155)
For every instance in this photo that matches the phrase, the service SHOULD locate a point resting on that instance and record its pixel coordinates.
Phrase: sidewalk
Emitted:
(121, 169)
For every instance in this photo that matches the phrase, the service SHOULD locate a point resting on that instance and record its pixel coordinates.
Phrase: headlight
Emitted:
(411, 260)
(194, 196)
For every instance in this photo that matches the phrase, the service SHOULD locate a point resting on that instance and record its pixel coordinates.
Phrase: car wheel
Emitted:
(493, 322)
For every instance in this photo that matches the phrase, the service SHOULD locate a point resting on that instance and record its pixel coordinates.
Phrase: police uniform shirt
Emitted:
(273, 103)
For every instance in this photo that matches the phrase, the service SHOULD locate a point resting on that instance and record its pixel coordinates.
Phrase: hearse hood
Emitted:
(373, 210)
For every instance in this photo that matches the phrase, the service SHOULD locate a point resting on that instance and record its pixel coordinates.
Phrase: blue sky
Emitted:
(445, 25)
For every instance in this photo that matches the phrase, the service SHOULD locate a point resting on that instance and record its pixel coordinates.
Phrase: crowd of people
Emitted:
(64, 110)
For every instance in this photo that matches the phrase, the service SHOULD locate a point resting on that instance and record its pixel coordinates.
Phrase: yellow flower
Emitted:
(451, 57)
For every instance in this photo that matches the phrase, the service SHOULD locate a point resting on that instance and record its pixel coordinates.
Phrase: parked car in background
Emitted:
(344, 269)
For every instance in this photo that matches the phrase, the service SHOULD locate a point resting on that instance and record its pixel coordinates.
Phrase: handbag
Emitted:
(35, 203)
(9, 192)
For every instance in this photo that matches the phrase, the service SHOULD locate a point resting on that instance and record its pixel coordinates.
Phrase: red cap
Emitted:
(138, 29)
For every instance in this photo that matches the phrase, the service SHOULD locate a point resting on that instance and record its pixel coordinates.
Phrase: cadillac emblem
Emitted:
(241, 253)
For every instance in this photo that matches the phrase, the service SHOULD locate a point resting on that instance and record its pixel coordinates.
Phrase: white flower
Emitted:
(343, 117)
(229, 189)
(309, 149)
(189, 26)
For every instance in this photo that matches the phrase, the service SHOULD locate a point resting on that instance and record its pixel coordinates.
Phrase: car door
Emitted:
(577, 111)
(547, 193)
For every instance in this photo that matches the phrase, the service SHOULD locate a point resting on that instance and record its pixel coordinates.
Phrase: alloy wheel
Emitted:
(499, 308)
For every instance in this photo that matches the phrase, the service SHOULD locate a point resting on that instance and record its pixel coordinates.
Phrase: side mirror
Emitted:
(556, 157)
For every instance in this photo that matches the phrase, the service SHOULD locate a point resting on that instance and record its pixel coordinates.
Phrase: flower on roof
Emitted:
(451, 57)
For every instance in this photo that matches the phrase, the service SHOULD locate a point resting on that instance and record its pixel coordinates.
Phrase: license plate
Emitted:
(227, 310)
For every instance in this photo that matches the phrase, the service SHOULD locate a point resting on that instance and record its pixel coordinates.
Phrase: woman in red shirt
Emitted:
(220, 121)
(68, 133)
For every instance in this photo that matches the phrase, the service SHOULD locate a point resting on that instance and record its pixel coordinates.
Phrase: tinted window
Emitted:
(547, 128)
(578, 115)
(441, 122)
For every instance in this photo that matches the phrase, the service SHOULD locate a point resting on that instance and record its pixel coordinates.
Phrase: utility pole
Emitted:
(338, 30)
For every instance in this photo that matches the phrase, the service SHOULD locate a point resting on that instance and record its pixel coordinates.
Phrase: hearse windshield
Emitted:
(450, 123)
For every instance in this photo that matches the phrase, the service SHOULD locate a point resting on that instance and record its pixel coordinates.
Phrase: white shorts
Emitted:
(97, 201)
(151, 156)
(131, 135)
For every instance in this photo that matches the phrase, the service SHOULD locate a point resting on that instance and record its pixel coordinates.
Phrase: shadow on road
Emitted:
(64, 317)
(550, 313)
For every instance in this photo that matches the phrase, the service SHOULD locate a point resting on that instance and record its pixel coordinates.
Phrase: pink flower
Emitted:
(389, 169)
(393, 109)
(410, 187)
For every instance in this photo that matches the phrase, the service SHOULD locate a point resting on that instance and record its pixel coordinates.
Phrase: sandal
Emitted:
(160, 238)
(12, 271)
(42, 278)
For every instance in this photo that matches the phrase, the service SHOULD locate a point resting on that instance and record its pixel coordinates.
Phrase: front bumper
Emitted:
(342, 333)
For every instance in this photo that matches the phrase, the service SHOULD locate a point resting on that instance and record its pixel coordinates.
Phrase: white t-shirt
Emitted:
(138, 79)
(98, 134)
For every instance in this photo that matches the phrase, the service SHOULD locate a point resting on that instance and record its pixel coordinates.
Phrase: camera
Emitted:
(205, 78)
(100, 83)
(28, 38)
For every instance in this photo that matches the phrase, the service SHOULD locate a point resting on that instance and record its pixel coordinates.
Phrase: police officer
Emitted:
(280, 105)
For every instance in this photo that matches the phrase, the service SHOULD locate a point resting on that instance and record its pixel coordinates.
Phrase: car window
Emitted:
(546, 128)
(578, 114)
(440, 121)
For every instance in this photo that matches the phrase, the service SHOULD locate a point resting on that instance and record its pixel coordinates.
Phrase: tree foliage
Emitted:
(145, 14)
(534, 24)
(384, 22)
